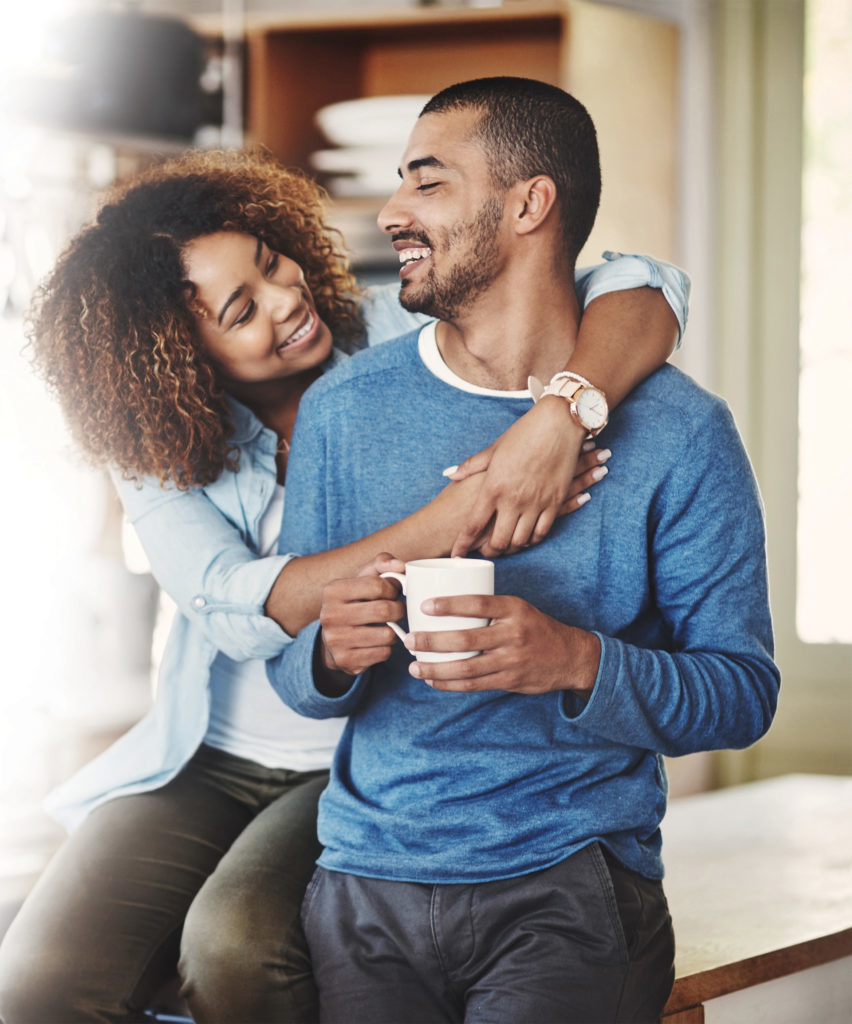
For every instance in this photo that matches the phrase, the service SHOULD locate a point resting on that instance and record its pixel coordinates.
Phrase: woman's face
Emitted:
(259, 322)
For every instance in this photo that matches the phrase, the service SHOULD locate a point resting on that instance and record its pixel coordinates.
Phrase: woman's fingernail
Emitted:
(581, 499)
(450, 470)
(588, 445)
(599, 473)
(604, 454)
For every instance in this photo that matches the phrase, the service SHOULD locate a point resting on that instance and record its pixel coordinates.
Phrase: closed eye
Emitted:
(246, 315)
(272, 263)
(428, 185)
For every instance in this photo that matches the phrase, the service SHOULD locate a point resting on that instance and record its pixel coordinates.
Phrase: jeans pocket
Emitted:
(613, 898)
(310, 893)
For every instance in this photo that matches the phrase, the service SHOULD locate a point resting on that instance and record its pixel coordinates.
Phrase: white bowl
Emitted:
(373, 121)
(356, 160)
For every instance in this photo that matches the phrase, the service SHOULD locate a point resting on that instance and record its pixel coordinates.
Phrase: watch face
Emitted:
(592, 408)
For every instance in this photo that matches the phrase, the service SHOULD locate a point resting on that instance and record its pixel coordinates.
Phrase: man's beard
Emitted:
(447, 296)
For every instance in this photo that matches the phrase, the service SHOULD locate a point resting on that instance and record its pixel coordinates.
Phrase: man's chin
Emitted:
(415, 303)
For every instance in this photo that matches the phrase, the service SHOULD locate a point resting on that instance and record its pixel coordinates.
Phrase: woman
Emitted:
(194, 834)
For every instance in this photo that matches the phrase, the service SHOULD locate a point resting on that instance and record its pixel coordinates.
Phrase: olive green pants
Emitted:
(208, 872)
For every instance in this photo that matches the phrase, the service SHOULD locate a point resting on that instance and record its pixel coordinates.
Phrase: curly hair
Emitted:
(112, 330)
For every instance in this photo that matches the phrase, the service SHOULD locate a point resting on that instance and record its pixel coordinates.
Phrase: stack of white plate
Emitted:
(369, 135)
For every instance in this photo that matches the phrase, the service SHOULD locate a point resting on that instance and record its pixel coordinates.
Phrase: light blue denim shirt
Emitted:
(202, 546)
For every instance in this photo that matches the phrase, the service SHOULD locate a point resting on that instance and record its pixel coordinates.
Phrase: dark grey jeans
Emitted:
(584, 941)
(223, 855)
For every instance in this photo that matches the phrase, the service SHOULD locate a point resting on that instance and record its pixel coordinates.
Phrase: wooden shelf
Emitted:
(354, 57)
(370, 16)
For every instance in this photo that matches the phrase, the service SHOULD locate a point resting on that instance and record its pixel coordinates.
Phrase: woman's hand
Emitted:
(538, 469)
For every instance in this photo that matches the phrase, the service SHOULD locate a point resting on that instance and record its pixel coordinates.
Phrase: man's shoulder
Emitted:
(399, 353)
(677, 419)
(674, 395)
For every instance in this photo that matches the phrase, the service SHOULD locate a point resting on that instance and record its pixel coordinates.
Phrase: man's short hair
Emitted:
(527, 128)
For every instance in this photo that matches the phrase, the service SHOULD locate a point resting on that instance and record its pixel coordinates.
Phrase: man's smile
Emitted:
(413, 255)
(411, 251)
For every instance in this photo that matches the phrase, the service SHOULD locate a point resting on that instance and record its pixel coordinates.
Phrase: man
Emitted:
(491, 827)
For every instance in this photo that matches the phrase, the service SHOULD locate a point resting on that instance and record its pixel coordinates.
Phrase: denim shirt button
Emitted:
(198, 602)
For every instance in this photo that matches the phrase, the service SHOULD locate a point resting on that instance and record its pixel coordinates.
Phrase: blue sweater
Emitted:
(666, 564)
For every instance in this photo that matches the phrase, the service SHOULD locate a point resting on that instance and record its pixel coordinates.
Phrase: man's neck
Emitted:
(509, 333)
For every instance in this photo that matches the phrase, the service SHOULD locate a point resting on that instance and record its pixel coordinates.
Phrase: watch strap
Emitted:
(566, 384)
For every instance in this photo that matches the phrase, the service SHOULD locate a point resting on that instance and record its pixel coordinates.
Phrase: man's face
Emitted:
(444, 218)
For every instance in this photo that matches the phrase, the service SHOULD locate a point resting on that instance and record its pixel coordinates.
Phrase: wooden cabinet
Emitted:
(295, 69)
(621, 65)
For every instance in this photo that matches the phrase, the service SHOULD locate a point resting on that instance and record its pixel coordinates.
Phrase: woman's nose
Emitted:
(284, 302)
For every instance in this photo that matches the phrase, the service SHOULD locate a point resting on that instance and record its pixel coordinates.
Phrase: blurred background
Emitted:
(726, 139)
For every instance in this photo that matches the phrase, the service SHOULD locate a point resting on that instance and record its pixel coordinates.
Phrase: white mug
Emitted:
(442, 577)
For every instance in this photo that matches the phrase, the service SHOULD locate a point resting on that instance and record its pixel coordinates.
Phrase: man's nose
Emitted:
(392, 217)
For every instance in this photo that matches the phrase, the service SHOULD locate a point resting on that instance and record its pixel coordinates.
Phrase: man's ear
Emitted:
(532, 203)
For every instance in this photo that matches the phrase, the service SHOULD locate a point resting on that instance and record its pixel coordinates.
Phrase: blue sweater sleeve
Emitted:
(717, 684)
(305, 528)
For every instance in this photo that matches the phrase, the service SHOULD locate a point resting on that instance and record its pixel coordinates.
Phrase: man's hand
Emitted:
(523, 650)
(352, 617)
(530, 480)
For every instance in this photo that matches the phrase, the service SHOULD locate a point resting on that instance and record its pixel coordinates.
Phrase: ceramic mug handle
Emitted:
(400, 578)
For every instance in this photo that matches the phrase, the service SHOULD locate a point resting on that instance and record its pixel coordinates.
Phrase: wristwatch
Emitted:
(586, 403)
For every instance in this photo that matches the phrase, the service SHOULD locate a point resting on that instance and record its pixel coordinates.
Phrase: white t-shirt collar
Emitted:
(427, 346)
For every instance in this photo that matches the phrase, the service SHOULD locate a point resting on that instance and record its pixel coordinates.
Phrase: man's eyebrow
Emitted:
(424, 161)
(238, 291)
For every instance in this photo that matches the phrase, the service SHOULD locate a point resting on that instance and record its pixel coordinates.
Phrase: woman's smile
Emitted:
(303, 334)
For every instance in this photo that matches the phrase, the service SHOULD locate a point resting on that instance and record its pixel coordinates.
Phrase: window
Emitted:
(824, 541)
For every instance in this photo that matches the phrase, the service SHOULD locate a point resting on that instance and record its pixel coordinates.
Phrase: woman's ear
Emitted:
(532, 202)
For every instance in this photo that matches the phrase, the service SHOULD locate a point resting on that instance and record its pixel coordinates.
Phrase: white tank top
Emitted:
(248, 719)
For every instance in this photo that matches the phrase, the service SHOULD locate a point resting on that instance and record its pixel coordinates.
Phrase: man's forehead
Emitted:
(442, 140)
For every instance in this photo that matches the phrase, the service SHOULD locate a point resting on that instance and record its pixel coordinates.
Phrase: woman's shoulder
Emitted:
(256, 444)
(384, 317)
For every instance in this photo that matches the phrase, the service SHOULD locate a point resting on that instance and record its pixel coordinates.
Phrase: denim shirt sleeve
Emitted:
(621, 272)
(204, 563)
(386, 319)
